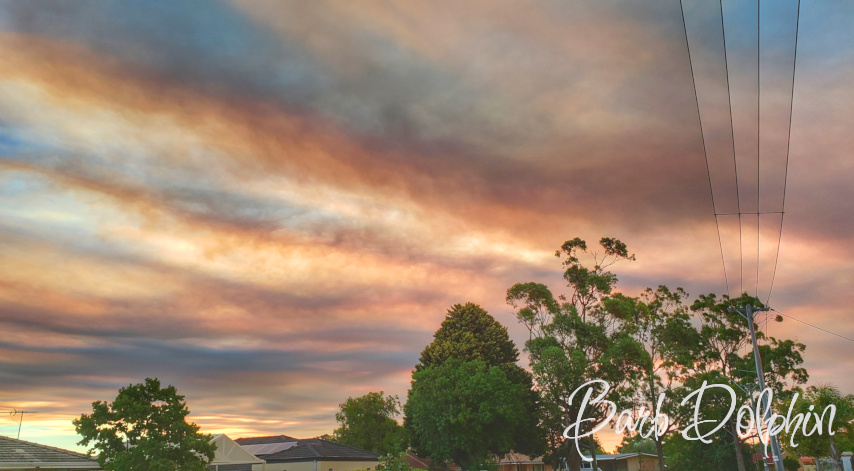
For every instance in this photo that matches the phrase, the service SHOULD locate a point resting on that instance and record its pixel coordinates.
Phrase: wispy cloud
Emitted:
(271, 205)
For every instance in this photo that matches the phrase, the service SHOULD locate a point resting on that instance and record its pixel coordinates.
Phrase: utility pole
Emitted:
(748, 313)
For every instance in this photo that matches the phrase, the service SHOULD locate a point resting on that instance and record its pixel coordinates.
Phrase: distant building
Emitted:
(27, 456)
(284, 453)
(520, 462)
(230, 456)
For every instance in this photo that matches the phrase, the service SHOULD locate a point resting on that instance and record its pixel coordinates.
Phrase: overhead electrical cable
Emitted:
(788, 147)
(758, 131)
(813, 326)
(703, 138)
(732, 137)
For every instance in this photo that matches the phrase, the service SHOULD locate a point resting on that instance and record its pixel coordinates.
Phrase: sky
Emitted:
(272, 205)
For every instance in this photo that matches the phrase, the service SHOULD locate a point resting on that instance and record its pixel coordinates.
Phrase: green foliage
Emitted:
(644, 346)
(579, 337)
(394, 462)
(824, 444)
(467, 334)
(367, 422)
(660, 322)
(464, 411)
(791, 464)
(685, 455)
(145, 429)
(719, 358)
(636, 444)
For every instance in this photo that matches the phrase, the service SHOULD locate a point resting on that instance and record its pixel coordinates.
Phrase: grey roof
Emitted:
(265, 440)
(15, 452)
(319, 449)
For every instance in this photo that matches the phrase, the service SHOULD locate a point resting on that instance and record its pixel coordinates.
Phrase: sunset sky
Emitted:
(271, 205)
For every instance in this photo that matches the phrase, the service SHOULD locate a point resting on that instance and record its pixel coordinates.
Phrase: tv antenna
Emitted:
(13, 412)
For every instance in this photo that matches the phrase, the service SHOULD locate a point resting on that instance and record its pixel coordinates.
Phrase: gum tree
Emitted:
(577, 337)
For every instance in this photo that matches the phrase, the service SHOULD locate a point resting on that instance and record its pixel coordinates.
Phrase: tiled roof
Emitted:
(265, 440)
(416, 462)
(519, 458)
(20, 451)
(319, 449)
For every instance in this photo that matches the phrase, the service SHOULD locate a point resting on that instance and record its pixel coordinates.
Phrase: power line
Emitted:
(732, 137)
(814, 326)
(703, 139)
(788, 147)
(757, 213)
(758, 130)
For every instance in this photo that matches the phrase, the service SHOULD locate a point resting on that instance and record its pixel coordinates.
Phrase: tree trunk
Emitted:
(659, 449)
(739, 455)
(574, 461)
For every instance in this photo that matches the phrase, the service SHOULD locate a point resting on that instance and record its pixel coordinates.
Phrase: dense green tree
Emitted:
(694, 455)
(469, 333)
(145, 429)
(726, 337)
(791, 463)
(464, 411)
(824, 444)
(368, 422)
(636, 444)
(394, 462)
(577, 338)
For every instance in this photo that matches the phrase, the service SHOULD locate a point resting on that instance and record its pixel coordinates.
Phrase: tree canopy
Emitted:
(145, 429)
(464, 411)
(368, 422)
(469, 333)
(643, 346)
(578, 337)
(824, 444)
(472, 354)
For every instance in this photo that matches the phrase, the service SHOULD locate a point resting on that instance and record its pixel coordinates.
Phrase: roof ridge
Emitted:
(313, 450)
(287, 438)
(341, 444)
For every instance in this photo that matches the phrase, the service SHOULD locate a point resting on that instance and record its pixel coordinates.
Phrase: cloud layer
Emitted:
(270, 205)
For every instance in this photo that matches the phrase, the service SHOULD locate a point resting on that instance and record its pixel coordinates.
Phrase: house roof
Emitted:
(417, 462)
(230, 452)
(519, 458)
(16, 453)
(319, 449)
(265, 440)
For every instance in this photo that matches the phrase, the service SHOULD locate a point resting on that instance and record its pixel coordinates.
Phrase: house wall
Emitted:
(642, 463)
(323, 466)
